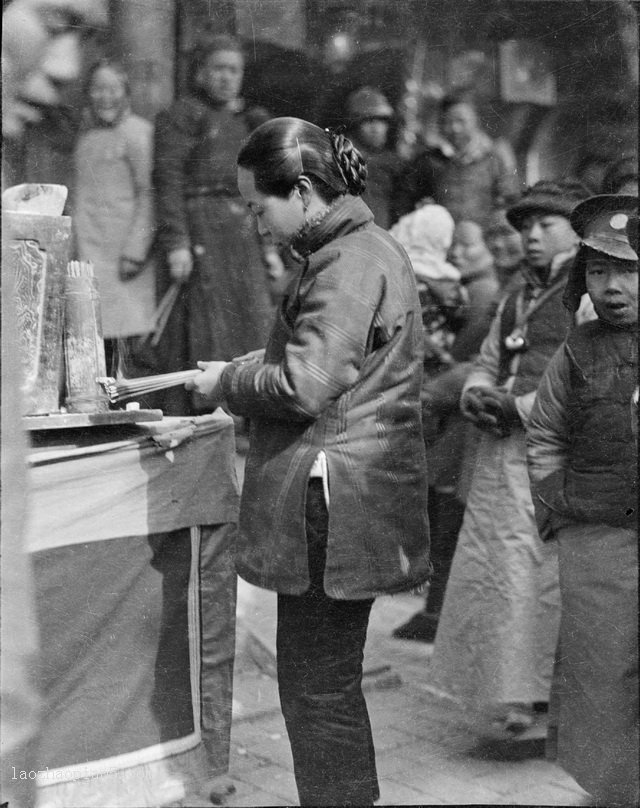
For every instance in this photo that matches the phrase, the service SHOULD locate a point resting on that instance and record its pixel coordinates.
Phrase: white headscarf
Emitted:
(426, 234)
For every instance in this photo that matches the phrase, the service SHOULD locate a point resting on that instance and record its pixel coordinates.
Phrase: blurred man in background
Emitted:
(465, 170)
(42, 43)
(369, 117)
(41, 49)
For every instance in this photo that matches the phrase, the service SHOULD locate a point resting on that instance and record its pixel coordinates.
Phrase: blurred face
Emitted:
(372, 133)
(613, 287)
(278, 218)
(544, 235)
(41, 53)
(107, 94)
(506, 248)
(221, 76)
(460, 124)
(467, 248)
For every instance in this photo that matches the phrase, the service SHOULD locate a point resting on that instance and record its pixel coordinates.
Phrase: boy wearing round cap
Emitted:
(369, 117)
(496, 638)
(583, 463)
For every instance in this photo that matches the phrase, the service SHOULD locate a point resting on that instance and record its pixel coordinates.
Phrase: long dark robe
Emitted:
(224, 309)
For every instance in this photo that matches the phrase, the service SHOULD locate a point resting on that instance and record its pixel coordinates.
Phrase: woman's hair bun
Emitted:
(350, 162)
(280, 150)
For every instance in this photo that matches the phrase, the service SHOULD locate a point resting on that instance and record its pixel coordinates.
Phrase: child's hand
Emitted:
(473, 406)
(502, 405)
(207, 384)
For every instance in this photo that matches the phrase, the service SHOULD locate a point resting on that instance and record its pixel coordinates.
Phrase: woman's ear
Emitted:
(304, 188)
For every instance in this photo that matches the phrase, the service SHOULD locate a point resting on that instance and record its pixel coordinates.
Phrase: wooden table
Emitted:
(129, 533)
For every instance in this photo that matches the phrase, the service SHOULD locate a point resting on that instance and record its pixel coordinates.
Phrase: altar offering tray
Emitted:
(69, 420)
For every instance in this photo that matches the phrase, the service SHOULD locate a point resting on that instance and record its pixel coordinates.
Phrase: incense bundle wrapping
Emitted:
(35, 251)
(83, 343)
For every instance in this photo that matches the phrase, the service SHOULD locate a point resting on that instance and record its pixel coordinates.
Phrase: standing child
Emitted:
(427, 234)
(113, 211)
(583, 467)
(497, 631)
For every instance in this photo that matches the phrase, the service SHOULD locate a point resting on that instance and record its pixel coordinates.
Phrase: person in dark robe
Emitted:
(209, 241)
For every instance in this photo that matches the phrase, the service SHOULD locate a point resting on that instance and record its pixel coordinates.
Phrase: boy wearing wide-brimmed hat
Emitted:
(583, 463)
(497, 632)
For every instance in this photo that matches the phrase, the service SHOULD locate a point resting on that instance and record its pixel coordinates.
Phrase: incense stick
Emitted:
(119, 389)
(83, 343)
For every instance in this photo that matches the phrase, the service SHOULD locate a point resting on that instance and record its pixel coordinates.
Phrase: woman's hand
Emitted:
(207, 384)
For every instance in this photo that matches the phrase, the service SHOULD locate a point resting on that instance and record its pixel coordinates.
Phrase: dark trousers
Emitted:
(445, 519)
(320, 645)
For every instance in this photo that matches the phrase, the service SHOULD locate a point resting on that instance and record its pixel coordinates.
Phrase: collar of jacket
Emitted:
(234, 106)
(560, 265)
(90, 121)
(478, 147)
(479, 272)
(614, 327)
(346, 214)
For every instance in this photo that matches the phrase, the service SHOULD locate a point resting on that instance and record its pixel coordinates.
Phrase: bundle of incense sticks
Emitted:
(121, 388)
(83, 343)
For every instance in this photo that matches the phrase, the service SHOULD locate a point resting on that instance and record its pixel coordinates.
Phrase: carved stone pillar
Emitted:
(35, 251)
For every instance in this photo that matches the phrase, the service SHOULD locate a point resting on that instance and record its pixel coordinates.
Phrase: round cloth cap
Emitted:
(601, 222)
(366, 103)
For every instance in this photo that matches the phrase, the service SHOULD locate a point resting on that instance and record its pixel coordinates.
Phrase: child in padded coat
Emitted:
(583, 467)
(496, 637)
(427, 234)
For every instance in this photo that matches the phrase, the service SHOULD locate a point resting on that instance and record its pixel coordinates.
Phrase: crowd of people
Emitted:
(156, 205)
(424, 353)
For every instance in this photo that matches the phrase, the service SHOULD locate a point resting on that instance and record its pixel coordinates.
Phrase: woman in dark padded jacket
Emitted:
(334, 503)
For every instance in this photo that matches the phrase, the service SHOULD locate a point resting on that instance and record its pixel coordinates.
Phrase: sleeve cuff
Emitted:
(228, 382)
